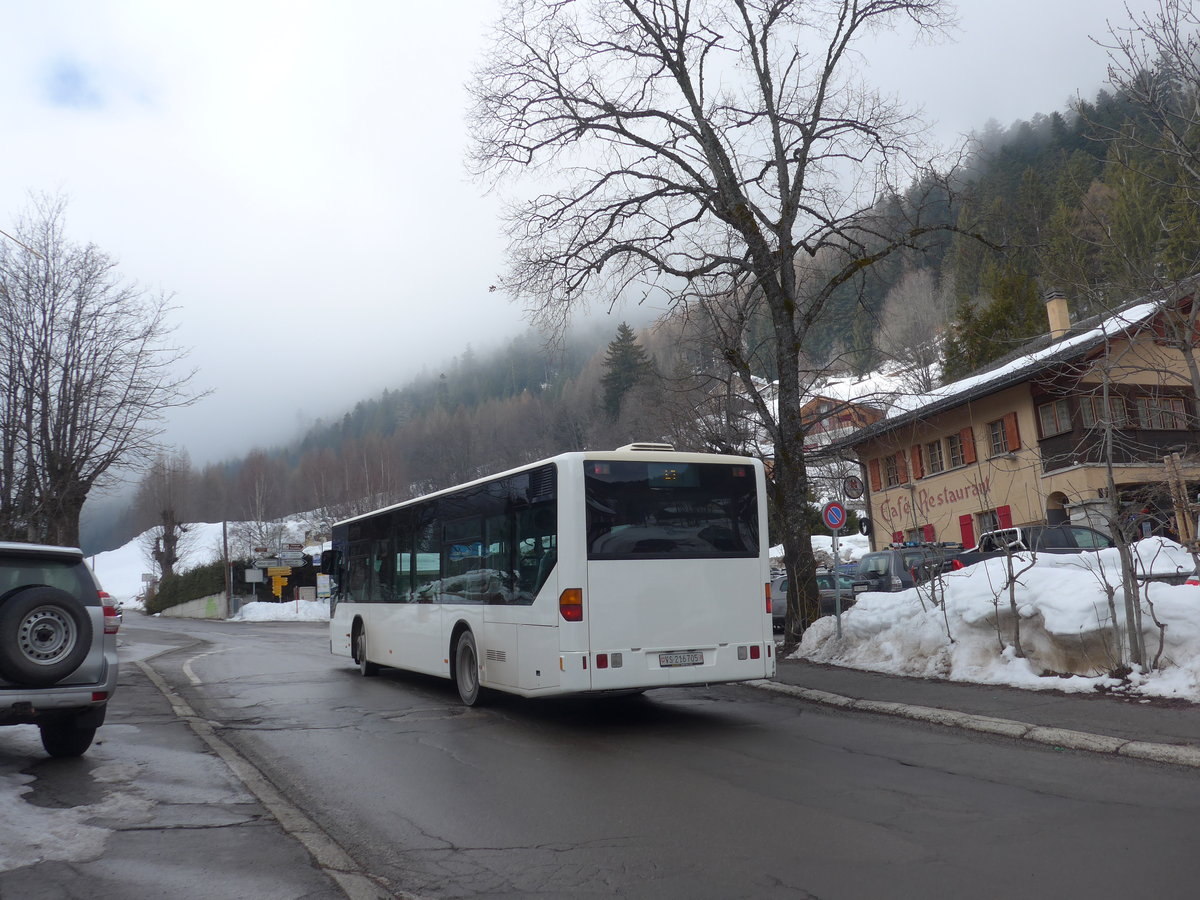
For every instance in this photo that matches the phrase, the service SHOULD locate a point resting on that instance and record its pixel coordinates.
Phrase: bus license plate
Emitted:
(687, 658)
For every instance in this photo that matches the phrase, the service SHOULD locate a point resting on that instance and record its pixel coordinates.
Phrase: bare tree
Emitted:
(164, 497)
(915, 312)
(87, 374)
(699, 152)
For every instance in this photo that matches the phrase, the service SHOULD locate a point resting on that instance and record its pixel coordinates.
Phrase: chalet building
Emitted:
(828, 419)
(1030, 438)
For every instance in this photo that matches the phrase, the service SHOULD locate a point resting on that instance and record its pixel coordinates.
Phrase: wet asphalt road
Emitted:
(718, 792)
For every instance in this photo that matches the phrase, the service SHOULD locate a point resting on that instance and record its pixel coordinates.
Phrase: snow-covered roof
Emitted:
(1039, 354)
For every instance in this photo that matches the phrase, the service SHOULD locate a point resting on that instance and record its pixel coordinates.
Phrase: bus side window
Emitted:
(358, 575)
(426, 565)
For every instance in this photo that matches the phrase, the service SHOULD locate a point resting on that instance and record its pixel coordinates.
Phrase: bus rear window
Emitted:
(671, 510)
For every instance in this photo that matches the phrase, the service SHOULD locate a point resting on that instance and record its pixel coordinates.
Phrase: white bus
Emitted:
(588, 572)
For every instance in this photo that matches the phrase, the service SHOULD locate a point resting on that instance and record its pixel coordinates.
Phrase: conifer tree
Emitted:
(625, 366)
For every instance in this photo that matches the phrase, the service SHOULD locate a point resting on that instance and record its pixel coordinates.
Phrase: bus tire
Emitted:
(466, 670)
(366, 669)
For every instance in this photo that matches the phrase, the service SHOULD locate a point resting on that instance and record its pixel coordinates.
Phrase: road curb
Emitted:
(1064, 738)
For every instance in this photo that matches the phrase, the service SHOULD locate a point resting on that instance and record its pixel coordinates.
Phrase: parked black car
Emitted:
(901, 566)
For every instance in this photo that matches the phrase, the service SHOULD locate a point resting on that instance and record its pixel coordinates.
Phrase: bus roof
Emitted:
(643, 452)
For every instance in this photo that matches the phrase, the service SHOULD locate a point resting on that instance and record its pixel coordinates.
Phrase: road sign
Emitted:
(266, 563)
(291, 554)
(852, 486)
(293, 547)
(833, 515)
(279, 571)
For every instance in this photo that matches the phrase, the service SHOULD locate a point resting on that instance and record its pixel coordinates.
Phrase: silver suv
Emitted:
(58, 645)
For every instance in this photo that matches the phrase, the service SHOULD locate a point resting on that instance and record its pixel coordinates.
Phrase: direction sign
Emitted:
(279, 571)
(293, 547)
(266, 563)
(291, 554)
(833, 514)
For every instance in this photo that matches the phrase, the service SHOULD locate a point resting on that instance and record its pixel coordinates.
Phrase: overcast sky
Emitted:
(293, 172)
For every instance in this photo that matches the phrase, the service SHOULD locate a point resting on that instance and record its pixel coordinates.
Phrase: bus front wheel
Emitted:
(366, 668)
(466, 669)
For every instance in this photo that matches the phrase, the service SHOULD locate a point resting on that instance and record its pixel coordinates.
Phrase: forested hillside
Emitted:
(1084, 200)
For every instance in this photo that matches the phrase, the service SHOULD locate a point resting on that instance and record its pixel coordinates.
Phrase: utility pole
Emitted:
(228, 570)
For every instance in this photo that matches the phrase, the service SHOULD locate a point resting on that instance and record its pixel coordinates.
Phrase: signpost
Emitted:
(852, 486)
(833, 514)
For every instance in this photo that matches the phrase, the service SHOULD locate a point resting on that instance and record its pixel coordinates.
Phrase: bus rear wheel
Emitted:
(466, 670)
(367, 669)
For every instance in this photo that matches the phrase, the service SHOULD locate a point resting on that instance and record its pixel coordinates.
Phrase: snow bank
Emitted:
(292, 611)
(1066, 625)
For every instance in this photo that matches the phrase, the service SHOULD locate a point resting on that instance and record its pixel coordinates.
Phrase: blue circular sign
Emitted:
(833, 515)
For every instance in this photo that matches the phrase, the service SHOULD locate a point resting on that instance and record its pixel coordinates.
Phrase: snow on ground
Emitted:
(293, 611)
(1065, 626)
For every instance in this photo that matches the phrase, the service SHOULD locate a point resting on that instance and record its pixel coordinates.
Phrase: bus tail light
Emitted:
(601, 660)
(570, 604)
(755, 650)
(768, 587)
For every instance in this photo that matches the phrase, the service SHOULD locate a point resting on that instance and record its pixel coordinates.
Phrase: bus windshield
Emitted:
(670, 510)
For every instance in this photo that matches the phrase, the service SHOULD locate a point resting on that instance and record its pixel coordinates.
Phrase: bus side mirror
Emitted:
(329, 562)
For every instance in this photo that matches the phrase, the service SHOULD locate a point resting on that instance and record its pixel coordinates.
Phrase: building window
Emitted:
(988, 521)
(1055, 418)
(891, 472)
(934, 458)
(998, 435)
(1091, 412)
(1161, 413)
(954, 446)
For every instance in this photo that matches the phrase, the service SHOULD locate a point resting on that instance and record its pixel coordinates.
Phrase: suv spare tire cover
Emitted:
(45, 635)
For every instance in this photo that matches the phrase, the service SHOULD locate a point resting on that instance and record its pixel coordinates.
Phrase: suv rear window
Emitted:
(66, 573)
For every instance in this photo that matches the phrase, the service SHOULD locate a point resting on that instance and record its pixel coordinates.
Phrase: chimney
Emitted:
(1056, 312)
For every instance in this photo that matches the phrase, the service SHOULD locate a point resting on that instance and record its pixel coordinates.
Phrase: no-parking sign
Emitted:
(833, 514)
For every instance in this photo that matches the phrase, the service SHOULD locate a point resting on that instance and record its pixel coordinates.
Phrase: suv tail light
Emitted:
(112, 616)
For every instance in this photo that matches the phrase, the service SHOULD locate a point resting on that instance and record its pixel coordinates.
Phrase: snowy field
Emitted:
(120, 573)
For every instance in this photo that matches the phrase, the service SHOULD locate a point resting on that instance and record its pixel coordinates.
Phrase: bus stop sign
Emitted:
(833, 515)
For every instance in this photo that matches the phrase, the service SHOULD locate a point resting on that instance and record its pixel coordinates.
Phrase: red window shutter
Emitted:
(966, 525)
(901, 468)
(918, 462)
(928, 534)
(968, 444)
(897, 537)
(1004, 516)
(873, 469)
(1012, 432)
